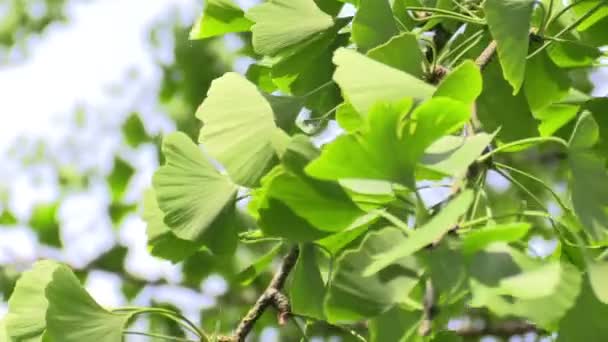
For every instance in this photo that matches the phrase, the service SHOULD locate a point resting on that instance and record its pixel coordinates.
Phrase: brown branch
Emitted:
(486, 55)
(271, 296)
(503, 329)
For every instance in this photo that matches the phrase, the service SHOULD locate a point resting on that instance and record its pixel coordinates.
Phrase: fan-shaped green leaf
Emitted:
(545, 82)
(423, 236)
(73, 316)
(189, 190)
(452, 85)
(162, 241)
(365, 81)
(307, 288)
(585, 322)
(598, 277)
(590, 201)
(219, 17)
(373, 24)
(544, 302)
(509, 22)
(356, 156)
(239, 129)
(26, 318)
(452, 155)
(352, 296)
(283, 23)
(478, 239)
(400, 52)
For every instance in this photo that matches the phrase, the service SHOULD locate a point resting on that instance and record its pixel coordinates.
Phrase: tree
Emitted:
(428, 95)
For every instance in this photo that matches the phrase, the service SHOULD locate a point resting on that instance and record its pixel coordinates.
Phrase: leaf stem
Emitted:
(528, 141)
(165, 337)
(538, 180)
(528, 213)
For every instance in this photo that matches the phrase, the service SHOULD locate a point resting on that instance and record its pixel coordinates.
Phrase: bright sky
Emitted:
(73, 62)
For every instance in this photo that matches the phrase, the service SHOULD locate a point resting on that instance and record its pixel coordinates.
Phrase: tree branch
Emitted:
(503, 329)
(271, 296)
(486, 55)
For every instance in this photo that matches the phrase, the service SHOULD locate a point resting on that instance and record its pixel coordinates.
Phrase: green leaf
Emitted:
(373, 24)
(353, 296)
(275, 216)
(554, 117)
(134, 131)
(545, 82)
(73, 316)
(452, 155)
(283, 23)
(218, 18)
(479, 239)
(400, 52)
(27, 306)
(452, 85)
(307, 288)
(365, 81)
(423, 236)
(543, 301)
(396, 324)
(162, 241)
(189, 190)
(348, 118)
(300, 151)
(573, 54)
(584, 322)
(119, 179)
(323, 204)
(597, 16)
(248, 275)
(7, 218)
(285, 109)
(362, 155)
(498, 108)
(239, 134)
(4, 333)
(589, 200)
(44, 222)
(509, 22)
(598, 277)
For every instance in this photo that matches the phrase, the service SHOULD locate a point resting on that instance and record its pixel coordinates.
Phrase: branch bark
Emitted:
(504, 329)
(271, 296)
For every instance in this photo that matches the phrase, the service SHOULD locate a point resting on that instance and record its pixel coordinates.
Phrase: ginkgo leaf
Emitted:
(73, 316)
(189, 190)
(26, 318)
(589, 200)
(509, 22)
(239, 129)
(283, 23)
(365, 81)
(161, 240)
(545, 82)
(423, 236)
(323, 204)
(307, 288)
(362, 155)
(478, 239)
(353, 296)
(598, 277)
(400, 52)
(543, 301)
(452, 155)
(373, 24)
(584, 321)
(220, 17)
(452, 85)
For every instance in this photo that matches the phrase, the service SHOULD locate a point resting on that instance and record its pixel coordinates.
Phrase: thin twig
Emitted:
(271, 296)
(503, 329)
(486, 55)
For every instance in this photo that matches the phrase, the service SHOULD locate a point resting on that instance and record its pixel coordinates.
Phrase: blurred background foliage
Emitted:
(74, 194)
